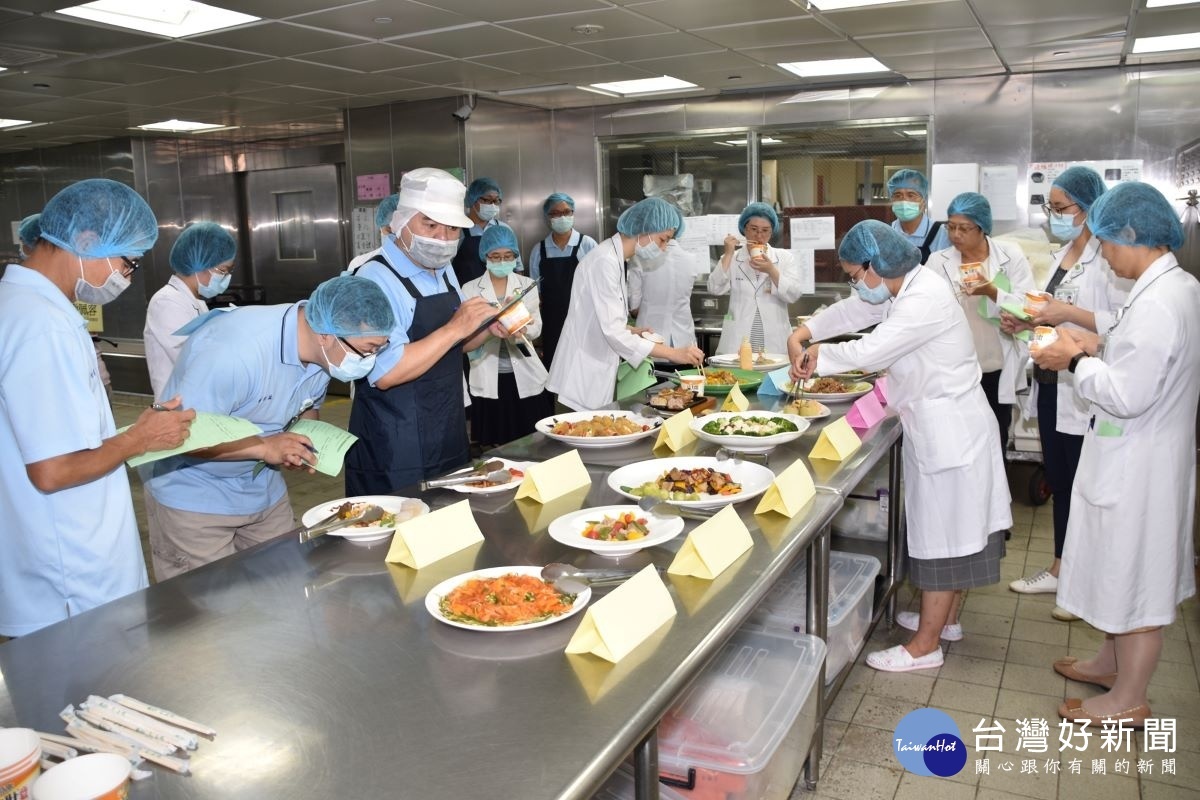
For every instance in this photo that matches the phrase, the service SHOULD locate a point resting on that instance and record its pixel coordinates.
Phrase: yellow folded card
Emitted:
(598, 677)
(676, 432)
(789, 492)
(538, 516)
(713, 546)
(735, 400)
(425, 539)
(837, 442)
(413, 584)
(550, 479)
(616, 624)
(694, 593)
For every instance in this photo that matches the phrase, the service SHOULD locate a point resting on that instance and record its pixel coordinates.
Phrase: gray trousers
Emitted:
(183, 540)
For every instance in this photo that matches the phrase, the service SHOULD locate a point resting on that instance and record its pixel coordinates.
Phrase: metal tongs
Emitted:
(371, 513)
(573, 580)
(491, 471)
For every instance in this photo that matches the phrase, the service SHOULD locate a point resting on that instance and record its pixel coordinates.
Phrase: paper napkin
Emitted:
(553, 478)
(836, 442)
(430, 537)
(789, 492)
(676, 432)
(865, 412)
(735, 400)
(713, 546)
(616, 624)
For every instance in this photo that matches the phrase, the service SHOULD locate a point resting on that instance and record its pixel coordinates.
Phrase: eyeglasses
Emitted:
(570, 212)
(960, 228)
(854, 279)
(223, 270)
(1051, 211)
(131, 265)
(491, 201)
(368, 353)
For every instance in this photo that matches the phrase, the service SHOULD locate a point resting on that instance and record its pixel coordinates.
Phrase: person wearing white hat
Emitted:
(409, 412)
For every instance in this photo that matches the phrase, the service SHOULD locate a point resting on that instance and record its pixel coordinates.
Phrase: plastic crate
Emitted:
(743, 729)
(620, 786)
(864, 513)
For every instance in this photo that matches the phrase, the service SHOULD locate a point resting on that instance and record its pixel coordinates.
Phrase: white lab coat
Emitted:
(171, 307)
(1127, 562)
(596, 336)
(528, 371)
(955, 489)
(748, 290)
(1008, 258)
(1095, 288)
(662, 296)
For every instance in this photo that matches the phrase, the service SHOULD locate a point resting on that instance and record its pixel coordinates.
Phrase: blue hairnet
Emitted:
(1135, 214)
(889, 253)
(909, 179)
(30, 230)
(385, 209)
(201, 246)
(1082, 184)
(650, 216)
(350, 306)
(99, 218)
(759, 210)
(479, 187)
(974, 207)
(555, 199)
(498, 237)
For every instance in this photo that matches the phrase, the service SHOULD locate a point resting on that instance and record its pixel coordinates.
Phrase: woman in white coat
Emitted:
(597, 336)
(507, 379)
(956, 497)
(1009, 277)
(1086, 296)
(1128, 559)
(661, 296)
(202, 260)
(760, 281)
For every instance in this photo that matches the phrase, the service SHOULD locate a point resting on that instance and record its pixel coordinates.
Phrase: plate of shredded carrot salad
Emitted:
(502, 599)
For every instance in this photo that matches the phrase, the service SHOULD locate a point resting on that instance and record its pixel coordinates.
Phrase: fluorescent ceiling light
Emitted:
(1165, 3)
(594, 90)
(179, 126)
(1159, 44)
(834, 66)
(915, 132)
(838, 5)
(644, 86)
(173, 18)
(3, 69)
(770, 140)
(12, 123)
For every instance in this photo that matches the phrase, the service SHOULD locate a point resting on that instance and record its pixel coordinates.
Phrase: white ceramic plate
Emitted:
(387, 502)
(545, 426)
(778, 361)
(749, 444)
(754, 478)
(569, 528)
(822, 412)
(523, 466)
(858, 390)
(434, 598)
(854, 377)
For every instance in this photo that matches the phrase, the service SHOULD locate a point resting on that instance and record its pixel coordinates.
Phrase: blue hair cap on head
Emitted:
(555, 199)
(350, 306)
(201, 246)
(909, 179)
(498, 237)
(1135, 214)
(385, 209)
(974, 207)
(481, 186)
(651, 215)
(761, 210)
(1082, 184)
(99, 218)
(30, 230)
(872, 242)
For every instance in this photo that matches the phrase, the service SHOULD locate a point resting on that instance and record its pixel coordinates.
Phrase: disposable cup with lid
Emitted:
(96, 776)
(693, 382)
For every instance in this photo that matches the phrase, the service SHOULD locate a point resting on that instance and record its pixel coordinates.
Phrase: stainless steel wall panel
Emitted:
(426, 134)
(729, 111)
(573, 134)
(1081, 116)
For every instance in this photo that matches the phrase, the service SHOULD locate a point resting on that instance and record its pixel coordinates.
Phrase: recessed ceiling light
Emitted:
(834, 66)
(179, 126)
(838, 5)
(12, 123)
(1165, 3)
(644, 86)
(770, 140)
(382, 20)
(1159, 44)
(173, 18)
(587, 29)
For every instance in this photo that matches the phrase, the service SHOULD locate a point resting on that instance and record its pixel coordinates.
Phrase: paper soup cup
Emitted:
(971, 274)
(20, 761)
(1035, 302)
(97, 776)
(693, 382)
(1044, 336)
(516, 318)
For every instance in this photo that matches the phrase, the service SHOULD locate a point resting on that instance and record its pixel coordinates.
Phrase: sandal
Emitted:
(1072, 709)
(1066, 667)
(898, 659)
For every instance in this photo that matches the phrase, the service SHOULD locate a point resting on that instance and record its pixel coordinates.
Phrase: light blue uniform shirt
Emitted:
(74, 549)
(940, 242)
(586, 243)
(427, 282)
(245, 363)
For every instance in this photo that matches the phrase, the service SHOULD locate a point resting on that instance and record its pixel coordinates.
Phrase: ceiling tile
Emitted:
(55, 110)
(1025, 12)
(926, 42)
(354, 83)
(276, 39)
(445, 72)
(1062, 34)
(359, 18)
(603, 73)
(10, 97)
(54, 86)
(617, 24)
(1044, 56)
(274, 9)
(544, 59)
(940, 64)
(516, 9)
(769, 33)
(903, 18)
(71, 37)
(721, 74)
(771, 56)
(472, 41)
(294, 94)
(151, 94)
(690, 15)
(188, 57)
(642, 47)
(371, 57)
(106, 69)
(1166, 21)
(286, 71)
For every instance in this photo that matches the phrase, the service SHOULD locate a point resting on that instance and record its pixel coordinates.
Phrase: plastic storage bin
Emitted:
(744, 727)
(851, 596)
(620, 786)
(864, 514)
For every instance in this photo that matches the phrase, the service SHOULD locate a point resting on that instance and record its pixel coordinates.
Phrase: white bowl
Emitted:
(749, 444)
(754, 478)
(568, 529)
(372, 533)
(545, 426)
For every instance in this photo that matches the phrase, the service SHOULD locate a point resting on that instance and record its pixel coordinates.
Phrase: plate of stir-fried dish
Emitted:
(598, 428)
(834, 390)
(502, 599)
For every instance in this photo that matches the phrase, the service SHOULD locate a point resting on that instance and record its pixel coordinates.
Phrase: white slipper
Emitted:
(898, 659)
(909, 620)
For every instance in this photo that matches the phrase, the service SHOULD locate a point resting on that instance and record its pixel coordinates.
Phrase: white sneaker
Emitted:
(1061, 613)
(1041, 583)
(898, 659)
(909, 620)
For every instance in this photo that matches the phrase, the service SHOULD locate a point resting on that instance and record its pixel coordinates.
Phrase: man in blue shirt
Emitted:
(909, 191)
(269, 365)
(69, 536)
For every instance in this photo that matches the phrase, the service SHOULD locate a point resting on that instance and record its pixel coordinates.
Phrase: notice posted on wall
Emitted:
(720, 226)
(1042, 174)
(812, 233)
(364, 234)
(372, 187)
(947, 181)
(999, 185)
(694, 242)
(806, 266)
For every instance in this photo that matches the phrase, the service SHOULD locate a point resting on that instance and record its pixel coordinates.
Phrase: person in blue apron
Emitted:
(554, 261)
(483, 210)
(409, 412)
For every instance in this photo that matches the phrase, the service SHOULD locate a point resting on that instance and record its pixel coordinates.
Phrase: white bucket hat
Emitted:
(433, 192)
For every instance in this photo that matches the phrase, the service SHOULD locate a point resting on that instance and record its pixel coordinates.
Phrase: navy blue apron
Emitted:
(415, 430)
(558, 274)
(467, 263)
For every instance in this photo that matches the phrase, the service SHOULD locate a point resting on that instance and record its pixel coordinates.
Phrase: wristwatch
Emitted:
(1075, 359)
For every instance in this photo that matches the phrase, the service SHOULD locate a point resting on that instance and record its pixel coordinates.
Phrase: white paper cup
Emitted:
(516, 318)
(693, 382)
(20, 760)
(651, 336)
(1035, 302)
(1044, 336)
(97, 776)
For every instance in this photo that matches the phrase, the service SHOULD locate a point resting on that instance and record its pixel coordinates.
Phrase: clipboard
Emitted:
(516, 298)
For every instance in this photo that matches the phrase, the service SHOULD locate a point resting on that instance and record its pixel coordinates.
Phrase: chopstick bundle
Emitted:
(168, 717)
(135, 720)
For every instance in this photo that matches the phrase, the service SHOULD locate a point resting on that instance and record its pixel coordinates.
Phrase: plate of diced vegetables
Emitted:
(692, 482)
(750, 431)
(614, 530)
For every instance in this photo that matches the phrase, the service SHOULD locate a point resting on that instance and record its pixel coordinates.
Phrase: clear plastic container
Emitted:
(743, 729)
(851, 596)
(620, 786)
(864, 513)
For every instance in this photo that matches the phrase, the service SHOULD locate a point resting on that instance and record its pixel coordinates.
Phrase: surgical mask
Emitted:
(488, 211)
(1064, 228)
(217, 284)
(562, 224)
(106, 292)
(649, 254)
(353, 365)
(502, 269)
(906, 210)
(873, 295)
(430, 253)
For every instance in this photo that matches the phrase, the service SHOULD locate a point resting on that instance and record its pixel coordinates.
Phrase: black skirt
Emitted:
(510, 416)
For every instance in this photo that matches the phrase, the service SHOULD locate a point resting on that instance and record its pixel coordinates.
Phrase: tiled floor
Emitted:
(1000, 672)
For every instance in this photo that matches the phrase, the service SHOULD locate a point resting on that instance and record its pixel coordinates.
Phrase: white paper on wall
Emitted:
(720, 226)
(999, 185)
(949, 181)
(1042, 174)
(364, 233)
(806, 266)
(812, 233)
